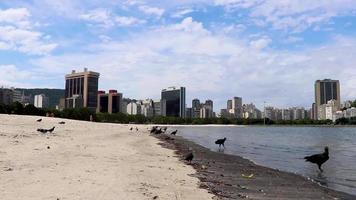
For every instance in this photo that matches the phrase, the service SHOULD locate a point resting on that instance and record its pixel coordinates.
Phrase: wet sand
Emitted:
(233, 177)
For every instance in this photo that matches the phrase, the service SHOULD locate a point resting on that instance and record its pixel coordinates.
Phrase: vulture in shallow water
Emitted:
(318, 159)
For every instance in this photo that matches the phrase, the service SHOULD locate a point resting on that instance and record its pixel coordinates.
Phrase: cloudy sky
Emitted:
(261, 50)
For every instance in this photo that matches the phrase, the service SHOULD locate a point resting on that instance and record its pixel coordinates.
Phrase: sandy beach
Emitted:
(85, 160)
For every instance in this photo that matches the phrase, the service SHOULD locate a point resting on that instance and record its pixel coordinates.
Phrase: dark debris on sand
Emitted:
(233, 177)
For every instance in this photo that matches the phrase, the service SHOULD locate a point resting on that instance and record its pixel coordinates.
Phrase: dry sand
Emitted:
(85, 160)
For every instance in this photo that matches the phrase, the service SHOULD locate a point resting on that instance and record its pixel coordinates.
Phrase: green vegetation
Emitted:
(346, 121)
(84, 114)
(53, 94)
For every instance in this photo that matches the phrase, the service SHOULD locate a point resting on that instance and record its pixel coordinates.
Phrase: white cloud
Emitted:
(158, 12)
(107, 19)
(16, 33)
(13, 76)
(18, 16)
(181, 13)
(293, 39)
(294, 15)
(261, 43)
(128, 21)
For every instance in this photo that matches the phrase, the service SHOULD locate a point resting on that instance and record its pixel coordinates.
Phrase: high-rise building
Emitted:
(81, 89)
(229, 104)
(41, 101)
(109, 102)
(326, 90)
(174, 98)
(134, 108)
(236, 107)
(196, 108)
(159, 107)
(189, 112)
(147, 107)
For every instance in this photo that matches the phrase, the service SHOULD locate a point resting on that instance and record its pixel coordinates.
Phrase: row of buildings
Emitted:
(81, 90)
(12, 95)
(327, 105)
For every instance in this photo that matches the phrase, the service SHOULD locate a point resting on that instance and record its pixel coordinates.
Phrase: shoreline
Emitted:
(229, 176)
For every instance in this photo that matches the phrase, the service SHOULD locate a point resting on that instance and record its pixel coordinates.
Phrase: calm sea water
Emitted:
(285, 147)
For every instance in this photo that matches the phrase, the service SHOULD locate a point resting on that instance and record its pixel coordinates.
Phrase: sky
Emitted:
(260, 50)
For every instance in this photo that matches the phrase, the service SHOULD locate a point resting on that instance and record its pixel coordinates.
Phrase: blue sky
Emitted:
(261, 50)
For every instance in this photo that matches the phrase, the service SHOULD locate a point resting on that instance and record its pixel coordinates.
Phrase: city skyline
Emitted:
(220, 49)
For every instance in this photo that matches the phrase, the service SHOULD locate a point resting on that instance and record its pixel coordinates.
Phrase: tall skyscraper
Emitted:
(326, 90)
(236, 107)
(174, 99)
(196, 108)
(229, 104)
(81, 89)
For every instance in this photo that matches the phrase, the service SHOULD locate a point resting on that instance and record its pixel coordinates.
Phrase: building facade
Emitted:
(174, 99)
(109, 102)
(41, 101)
(81, 89)
(326, 90)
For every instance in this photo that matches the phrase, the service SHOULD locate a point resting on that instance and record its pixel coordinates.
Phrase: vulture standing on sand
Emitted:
(189, 157)
(221, 142)
(52, 129)
(319, 159)
(39, 120)
(174, 132)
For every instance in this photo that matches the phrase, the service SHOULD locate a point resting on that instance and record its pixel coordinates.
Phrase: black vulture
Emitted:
(221, 142)
(39, 120)
(153, 129)
(42, 130)
(174, 132)
(136, 129)
(189, 157)
(319, 159)
(51, 130)
(62, 122)
(131, 129)
(158, 131)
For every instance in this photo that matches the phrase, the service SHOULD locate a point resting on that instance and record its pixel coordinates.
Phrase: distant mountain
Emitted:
(53, 94)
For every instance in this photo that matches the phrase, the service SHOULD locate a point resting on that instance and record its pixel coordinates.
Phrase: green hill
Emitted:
(53, 94)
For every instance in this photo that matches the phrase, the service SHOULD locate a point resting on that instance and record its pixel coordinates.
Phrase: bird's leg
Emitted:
(320, 168)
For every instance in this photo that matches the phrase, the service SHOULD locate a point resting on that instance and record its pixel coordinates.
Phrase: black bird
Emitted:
(158, 131)
(164, 129)
(51, 130)
(189, 157)
(62, 122)
(153, 129)
(318, 159)
(136, 129)
(220, 142)
(42, 130)
(131, 129)
(174, 132)
(39, 120)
